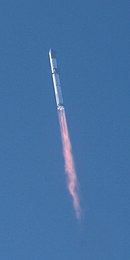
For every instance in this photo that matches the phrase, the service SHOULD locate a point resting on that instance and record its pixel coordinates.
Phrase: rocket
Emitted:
(56, 80)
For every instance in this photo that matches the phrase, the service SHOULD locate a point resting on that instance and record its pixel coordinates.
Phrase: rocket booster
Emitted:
(56, 80)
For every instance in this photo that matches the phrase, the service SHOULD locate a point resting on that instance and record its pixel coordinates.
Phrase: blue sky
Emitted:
(37, 220)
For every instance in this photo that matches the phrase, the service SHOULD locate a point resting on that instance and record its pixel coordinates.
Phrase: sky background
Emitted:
(37, 220)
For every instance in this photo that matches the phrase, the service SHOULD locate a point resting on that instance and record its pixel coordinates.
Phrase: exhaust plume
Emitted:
(72, 181)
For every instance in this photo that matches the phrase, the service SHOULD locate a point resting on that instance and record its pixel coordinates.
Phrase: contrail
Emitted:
(67, 151)
(69, 162)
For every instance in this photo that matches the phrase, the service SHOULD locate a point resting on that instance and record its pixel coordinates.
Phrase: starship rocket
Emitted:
(56, 80)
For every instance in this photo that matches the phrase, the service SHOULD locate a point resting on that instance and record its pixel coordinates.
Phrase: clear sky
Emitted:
(37, 220)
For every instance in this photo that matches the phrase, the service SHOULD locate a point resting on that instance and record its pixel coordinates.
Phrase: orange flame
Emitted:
(69, 162)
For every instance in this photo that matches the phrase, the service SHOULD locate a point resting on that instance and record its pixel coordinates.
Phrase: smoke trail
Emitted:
(69, 162)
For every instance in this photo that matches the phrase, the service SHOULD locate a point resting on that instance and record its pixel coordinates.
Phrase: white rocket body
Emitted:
(56, 81)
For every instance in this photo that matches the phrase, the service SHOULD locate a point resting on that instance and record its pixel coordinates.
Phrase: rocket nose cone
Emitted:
(51, 53)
